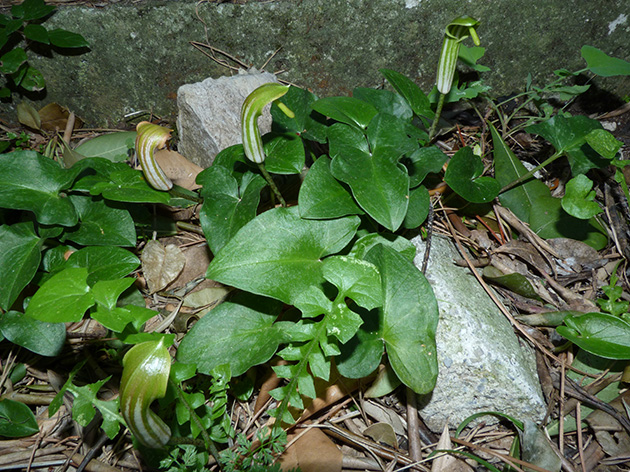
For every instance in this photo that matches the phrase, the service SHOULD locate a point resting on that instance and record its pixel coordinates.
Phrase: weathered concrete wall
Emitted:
(140, 51)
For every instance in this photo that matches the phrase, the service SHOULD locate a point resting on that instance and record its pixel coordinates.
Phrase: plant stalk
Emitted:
(526, 176)
(438, 112)
(272, 184)
(208, 443)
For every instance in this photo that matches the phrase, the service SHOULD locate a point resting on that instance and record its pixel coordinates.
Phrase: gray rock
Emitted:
(209, 117)
(140, 50)
(483, 367)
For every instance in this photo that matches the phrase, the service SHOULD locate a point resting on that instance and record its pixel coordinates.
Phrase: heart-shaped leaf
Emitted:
(30, 181)
(379, 185)
(239, 333)
(285, 154)
(16, 420)
(322, 196)
(226, 206)
(579, 198)
(463, 175)
(278, 254)
(385, 102)
(349, 110)
(568, 136)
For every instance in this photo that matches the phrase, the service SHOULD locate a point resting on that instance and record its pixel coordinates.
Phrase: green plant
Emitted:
(328, 281)
(25, 23)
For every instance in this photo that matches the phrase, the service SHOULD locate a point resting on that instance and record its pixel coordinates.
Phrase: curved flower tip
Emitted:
(146, 368)
(251, 110)
(456, 31)
(149, 138)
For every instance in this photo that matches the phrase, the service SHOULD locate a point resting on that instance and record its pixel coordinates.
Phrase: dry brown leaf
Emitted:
(54, 117)
(384, 415)
(161, 265)
(179, 169)
(448, 463)
(382, 433)
(312, 452)
(197, 261)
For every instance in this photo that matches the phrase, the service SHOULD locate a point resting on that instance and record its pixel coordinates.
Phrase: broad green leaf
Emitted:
(103, 223)
(549, 220)
(113, 146)
(579, 198)
(118, 318)
(568, 136)
(66, 39)
(423, 161)
(226, 207)
(278, 254)
(379, 185)
(123, 184)
(356, 279)
(19, 258)
(32, 10)
(30, 79)
(16, 420)
(30, 181)
(604, 143)
(418, 208)
(239, 333)
(322, 196)
(508, 168)
(409, 319)
(104, 263)
(305, 123)
(349, 110)
(602, 64)
(389, 137)
(12, 60)
(362, 354)
(63, 298)
(36, 32)
(463, 175)
(385, 102)
(342, 323)
(39, 337)
(285, 154)
(398, 243)
(416, 98)
(601, 334)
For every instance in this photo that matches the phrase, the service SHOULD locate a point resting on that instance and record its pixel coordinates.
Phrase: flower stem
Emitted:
(525, 177)
(272, 184)
(438, 112)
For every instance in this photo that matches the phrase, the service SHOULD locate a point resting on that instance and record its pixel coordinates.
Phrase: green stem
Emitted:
(526, 176)
(438, 112)
(208, 443)
(272, 184)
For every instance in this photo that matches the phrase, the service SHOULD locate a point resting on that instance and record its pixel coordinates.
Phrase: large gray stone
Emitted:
(141, 52)
(483, 366)
(209, 117)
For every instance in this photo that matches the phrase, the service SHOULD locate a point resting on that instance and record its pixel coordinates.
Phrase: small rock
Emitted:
(209, 117)
(483, 366)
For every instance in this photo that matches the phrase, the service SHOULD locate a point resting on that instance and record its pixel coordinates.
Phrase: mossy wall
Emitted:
(141, 52)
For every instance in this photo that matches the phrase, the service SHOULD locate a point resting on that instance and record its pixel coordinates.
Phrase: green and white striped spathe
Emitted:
(251, 110)
(149, 138)
(456, 31)
(146, 368)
